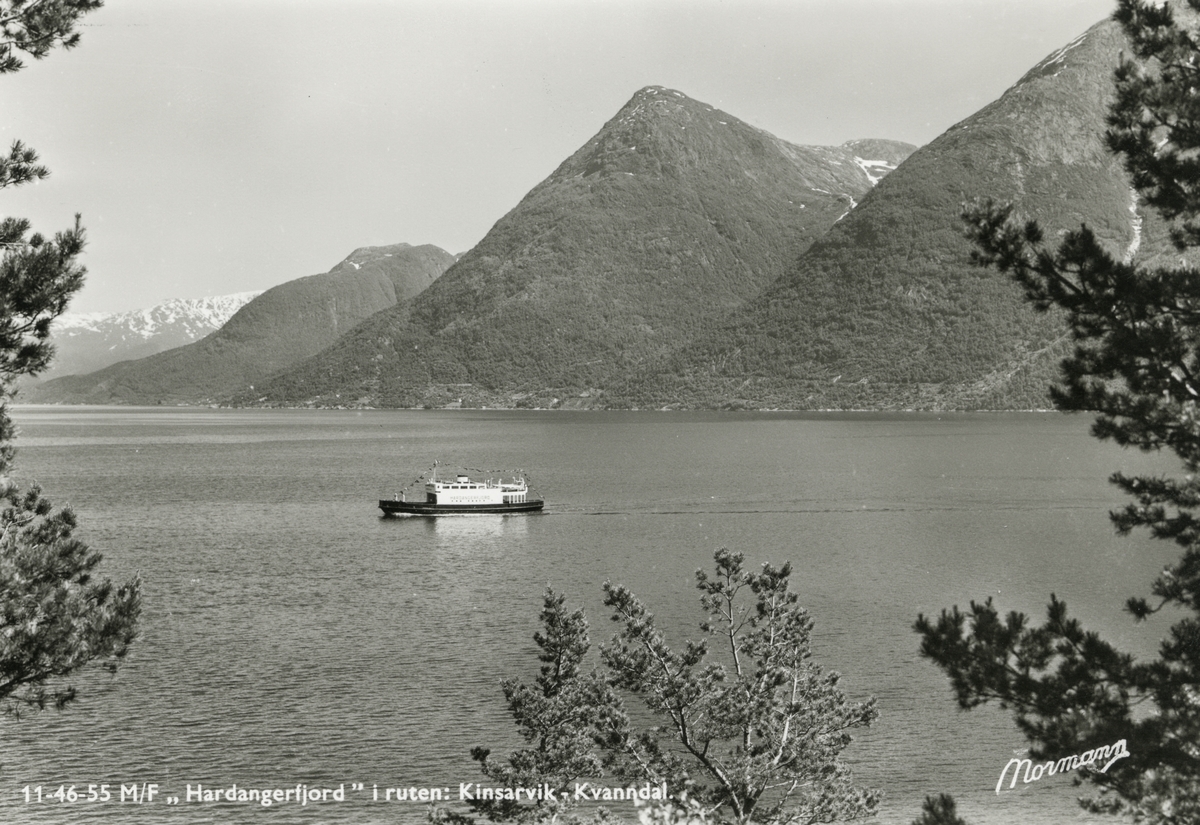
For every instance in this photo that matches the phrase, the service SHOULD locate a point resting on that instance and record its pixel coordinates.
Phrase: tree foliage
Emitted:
(563, 718)
(939, 810)
(748, 729)
(1135, 362)
(55, 616)
(34, 27)
(761, 734)
(38, 276)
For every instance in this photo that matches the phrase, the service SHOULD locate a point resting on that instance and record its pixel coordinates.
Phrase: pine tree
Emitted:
(55, 617)
(939, 810)
(754, 739)
(1136, 362)
(563, 718)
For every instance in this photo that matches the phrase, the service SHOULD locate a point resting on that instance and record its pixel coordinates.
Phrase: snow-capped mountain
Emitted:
(288, 323)
(86, 342)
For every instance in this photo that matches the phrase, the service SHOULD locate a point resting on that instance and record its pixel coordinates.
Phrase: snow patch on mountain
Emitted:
(89, 341)
(207, 314)
(1057, 57)
(874, 169)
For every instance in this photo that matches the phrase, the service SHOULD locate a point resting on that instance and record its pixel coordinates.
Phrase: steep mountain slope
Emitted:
(674, 214)
(88, 342)
(279, 327)
(885, 311)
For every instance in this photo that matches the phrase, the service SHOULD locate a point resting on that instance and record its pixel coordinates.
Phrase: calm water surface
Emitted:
(291, 636)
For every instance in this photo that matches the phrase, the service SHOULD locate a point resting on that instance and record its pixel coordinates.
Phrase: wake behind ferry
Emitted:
(464, 496)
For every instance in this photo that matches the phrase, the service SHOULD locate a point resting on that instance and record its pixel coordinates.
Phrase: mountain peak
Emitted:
(1072, 56)
(885, 310)
(652, 92)
(203, 313)
(367, 255)
(288, 322)
(660, 100)
(1055, 112)
(90, 341)
(671, 215)
(663, 134)
(645, 135)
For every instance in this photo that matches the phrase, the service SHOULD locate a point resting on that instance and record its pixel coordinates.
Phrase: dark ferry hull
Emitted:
(421, 508)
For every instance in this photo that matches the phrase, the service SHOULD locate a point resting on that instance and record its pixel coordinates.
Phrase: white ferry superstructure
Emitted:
(463, 496)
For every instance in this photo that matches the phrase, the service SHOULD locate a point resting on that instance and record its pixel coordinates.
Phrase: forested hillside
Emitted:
(279, 327)
(683, 258)
(885, 311)
(671, 217)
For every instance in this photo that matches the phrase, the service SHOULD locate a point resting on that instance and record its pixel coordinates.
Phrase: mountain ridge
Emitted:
(684, 258)
(278, 327)
(671, 215)
(86, 342)
(885, 311)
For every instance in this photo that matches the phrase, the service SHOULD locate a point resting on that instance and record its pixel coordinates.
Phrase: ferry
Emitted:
(464, 496)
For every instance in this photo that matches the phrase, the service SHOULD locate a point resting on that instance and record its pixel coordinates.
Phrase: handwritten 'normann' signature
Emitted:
(1112, 753)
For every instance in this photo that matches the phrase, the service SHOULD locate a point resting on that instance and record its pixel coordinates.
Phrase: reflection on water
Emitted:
(477, 528)
(480, 527)
(470, 539)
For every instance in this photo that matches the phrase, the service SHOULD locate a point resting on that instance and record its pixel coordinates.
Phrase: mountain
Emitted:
(668, 219)
(885, 311)
(286, 323)
(85, 342)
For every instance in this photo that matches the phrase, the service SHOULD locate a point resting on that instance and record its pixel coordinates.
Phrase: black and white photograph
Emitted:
(599, 412)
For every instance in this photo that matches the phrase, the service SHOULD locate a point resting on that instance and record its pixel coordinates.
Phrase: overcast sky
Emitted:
(219, 146)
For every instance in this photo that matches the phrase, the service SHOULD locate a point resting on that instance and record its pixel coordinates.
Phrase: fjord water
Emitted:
(292, 636)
